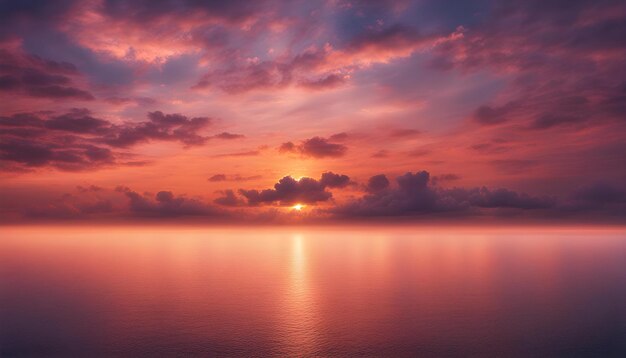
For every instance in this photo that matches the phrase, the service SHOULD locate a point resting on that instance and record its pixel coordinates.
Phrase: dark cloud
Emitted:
(236, 177)
(9, 83)
(165, 204)
(26, 152)
(140, 101)
(332, 180)
(147, 12)
(66, 208)
(600, 194)
(22, 120)
(167, 127)
(289, 191)
(316, 147)
(29, 75)
(395, 37)
(71, 156)
(288, 147)
(226, 135)
(249, 153)
(244, 178)
(77, 121)
(97, 203)
(445, 178)
(77, 140)
(549, 120)
(57, 92)
(86, 203)
(543, 48)
(20, 16)
(414, 195)
(487, 115)
(377, 183)
(246, 77)
(35, 77)
(316, 68)
(327, 82)
(600, 201)
(490, 148)
(99, 207)
(90, 188)
(499, 198)
(229, 198)
(218, 177)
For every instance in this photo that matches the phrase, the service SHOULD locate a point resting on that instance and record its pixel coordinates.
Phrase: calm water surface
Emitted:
(312, 292)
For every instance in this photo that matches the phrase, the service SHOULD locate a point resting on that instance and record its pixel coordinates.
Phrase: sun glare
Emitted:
(297, 207)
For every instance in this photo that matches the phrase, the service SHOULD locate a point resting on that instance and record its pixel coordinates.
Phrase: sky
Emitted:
(313, 111)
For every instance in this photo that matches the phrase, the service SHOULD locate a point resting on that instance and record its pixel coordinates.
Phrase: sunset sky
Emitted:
(297, 111)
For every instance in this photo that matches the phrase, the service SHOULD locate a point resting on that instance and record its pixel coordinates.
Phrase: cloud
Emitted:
(165, 204)
(217, 177)
(445, 178)
(549, 120)
(90, 202)
(289, 191)
(167, 127)
(98, 203)
(17, 14)
(316, 147)
(487, 115)
(377, 183)
(539, 50)
(57, 92)
(328, 82)
(31, 76)
(494, 147)
(226, 135)
(229, 198)
(71, 156)
(332, 180)
(64, 208)
(236, 177)
(78, 120)
(600, 194)
(339, 137)
(77, 140)
(318, 67)
(499, 198)
(413, 195)
(90, 188)
(248, 153)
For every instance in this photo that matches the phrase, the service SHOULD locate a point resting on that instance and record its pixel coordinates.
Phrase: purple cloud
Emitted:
(316, 147)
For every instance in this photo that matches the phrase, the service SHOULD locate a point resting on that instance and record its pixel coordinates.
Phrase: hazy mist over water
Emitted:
(349, 291)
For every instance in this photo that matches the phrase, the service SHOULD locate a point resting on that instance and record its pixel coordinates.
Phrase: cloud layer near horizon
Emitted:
(410, 196)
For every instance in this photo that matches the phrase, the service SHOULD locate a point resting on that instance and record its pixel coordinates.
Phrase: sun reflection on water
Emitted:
(299, 309)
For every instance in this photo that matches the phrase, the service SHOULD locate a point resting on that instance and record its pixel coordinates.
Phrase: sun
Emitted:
(297, 207)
